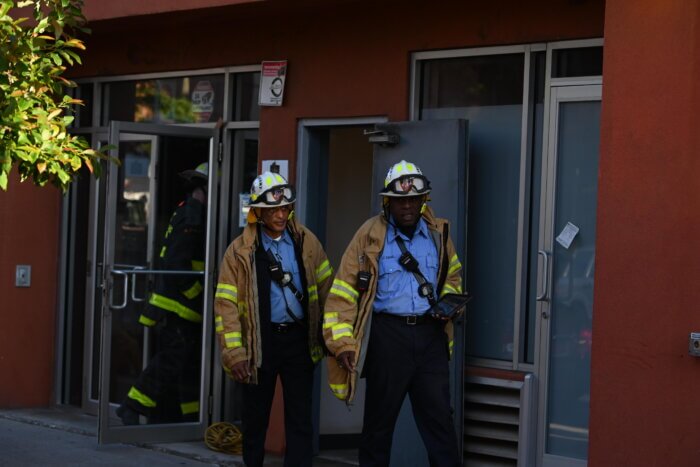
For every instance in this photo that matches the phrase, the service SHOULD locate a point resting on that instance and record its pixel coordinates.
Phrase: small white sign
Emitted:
(202, 101)
(243, 200)
(278, 166)
(272, 80)
(567, 235)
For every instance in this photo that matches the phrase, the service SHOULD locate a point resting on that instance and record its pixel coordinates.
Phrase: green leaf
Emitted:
(3, 180)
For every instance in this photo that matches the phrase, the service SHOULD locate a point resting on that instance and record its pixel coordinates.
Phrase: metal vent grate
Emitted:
(497, 414)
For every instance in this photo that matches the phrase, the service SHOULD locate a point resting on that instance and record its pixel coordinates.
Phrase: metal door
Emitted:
(566, 267)
(439, 148)
(141, 194)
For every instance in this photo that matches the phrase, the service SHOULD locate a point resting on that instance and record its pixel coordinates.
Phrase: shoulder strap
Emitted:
(422, 281)
(290, 283)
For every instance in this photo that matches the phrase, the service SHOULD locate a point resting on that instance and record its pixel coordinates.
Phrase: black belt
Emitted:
(284, 327)
(410, 320)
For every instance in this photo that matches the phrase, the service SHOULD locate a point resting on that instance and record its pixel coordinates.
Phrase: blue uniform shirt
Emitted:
(282, 248)
(397, 288)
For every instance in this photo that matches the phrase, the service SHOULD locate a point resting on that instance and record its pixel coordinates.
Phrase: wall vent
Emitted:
(498, 416)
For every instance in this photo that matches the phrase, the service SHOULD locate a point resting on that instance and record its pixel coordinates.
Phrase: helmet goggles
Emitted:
(408, 185)
(277, 195)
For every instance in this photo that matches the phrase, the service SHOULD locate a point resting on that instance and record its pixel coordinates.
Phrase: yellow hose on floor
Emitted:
(224, 437)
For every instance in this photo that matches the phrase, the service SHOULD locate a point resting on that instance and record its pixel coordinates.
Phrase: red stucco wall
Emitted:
(99, 9)
(29, 226)
(644, 398)
(345, 58)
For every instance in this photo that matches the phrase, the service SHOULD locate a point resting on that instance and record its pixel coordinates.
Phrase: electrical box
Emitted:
(694, 344)
(23, 275)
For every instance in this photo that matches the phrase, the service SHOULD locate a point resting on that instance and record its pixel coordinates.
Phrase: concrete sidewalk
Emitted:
(57, 436)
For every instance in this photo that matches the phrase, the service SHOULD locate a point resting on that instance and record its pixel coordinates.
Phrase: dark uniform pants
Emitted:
(171, 378)
(287, 356)
(407, 359)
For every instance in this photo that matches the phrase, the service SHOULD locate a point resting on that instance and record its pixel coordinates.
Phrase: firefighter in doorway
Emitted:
(391, 274)
(167, 390)
(273, 280)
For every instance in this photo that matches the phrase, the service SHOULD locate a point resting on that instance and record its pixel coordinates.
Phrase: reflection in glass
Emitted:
(487, 91)
(246, 88)
(584, 61)
(195, 99)
(572, 301)
(161, 225)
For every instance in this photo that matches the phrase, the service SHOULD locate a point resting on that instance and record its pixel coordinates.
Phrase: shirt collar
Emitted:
(269, 241)
(421, 228)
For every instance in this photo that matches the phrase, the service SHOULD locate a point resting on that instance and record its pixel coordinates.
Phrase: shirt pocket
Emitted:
(389, 275)
(431, 268)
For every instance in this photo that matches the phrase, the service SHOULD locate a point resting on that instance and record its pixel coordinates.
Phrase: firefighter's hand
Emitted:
(241, 371)
(346, 360)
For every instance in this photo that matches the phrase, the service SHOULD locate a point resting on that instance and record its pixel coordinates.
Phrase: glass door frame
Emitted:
(583, 91)
(171, 432)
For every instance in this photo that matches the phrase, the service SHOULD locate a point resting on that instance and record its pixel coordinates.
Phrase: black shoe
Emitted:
(128, 415)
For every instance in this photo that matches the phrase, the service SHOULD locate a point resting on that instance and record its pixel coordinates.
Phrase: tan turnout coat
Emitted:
(236, 301)
(347, 312)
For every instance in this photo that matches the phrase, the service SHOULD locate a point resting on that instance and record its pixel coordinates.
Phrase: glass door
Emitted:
(567, 263)
(157, 273)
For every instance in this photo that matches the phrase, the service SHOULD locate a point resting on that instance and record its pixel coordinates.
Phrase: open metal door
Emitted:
(439, 148)
(142, 192)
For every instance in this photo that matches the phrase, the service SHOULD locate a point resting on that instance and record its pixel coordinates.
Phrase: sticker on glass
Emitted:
(567, 235)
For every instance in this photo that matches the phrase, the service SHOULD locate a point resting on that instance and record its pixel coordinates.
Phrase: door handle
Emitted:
(134, 298)
(125, 297)
(543, 295)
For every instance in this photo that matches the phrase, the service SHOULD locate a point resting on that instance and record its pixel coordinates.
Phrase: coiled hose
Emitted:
(224, 437)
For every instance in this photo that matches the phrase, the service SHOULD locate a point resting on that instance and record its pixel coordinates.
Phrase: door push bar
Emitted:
(136, 271)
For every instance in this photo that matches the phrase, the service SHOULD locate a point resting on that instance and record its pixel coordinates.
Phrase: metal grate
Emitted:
(497, 421)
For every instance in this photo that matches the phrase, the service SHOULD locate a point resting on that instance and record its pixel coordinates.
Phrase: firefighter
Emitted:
(273, 280)
(167, 390)
(376, 320)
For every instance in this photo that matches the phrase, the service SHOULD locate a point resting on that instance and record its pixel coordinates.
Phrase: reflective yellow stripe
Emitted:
(169, 304)
(219, 324)
(454, 264)
(313, 294)
(189, 407)
(197, 265)
(316, 353)
(233, 340)
(339, 390)
(169, 231)
(345, 290)
(341, 330)
(447, 288)
(141, 398)
(323, 271)
(193, 291)
(146, 321)
(162, 252)
(452, 344)
(227, 292)
(329, 319)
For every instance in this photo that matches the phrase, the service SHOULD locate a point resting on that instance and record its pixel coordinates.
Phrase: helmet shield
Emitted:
(405, 179)
(407, 185)
(277, 195)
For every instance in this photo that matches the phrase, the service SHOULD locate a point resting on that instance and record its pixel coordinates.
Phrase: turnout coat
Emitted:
(236, 304)
(348, 312)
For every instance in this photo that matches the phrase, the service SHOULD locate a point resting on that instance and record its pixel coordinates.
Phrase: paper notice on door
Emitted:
(567, 235)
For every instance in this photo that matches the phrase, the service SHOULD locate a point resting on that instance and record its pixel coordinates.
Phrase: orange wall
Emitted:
(349, 59)
(644, 397)
(29, 226)
(100, 9)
